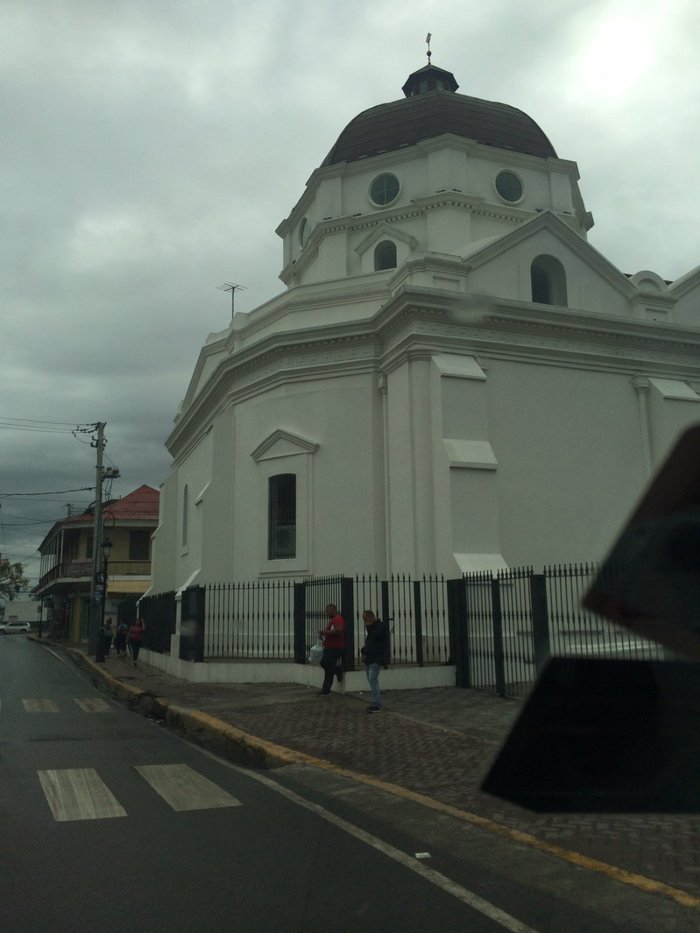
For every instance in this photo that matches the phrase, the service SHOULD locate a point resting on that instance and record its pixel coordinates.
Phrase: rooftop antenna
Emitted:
(233, 288)
(427, 42)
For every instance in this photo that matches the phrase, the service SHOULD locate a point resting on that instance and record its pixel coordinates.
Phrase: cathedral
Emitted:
(453, 379)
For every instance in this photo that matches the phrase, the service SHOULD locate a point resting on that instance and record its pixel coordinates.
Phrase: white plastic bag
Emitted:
(316, 652)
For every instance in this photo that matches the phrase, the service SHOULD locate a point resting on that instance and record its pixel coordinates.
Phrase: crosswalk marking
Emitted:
(184, 789)
(40, 706)
(79, 794)
(94, 705)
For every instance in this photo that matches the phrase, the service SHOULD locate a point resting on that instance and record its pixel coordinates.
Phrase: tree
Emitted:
(12, 578)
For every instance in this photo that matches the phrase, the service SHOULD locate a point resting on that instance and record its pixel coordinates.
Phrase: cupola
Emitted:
(429, 79)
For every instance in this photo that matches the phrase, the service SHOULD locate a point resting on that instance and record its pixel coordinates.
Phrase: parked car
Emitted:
(9, 628)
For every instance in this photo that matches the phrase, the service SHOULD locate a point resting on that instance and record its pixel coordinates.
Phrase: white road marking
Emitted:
(94, 705)
(40, 706)
(79, 794)
(184, 789)
(477, 903)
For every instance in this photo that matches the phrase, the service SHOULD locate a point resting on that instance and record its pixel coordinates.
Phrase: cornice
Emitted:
(352, 223)
(313, 353)
(418, 322)
(603, 327)
(421, 150)
(315, 296)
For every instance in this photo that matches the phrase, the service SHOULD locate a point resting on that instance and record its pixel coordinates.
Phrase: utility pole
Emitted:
(94, 621)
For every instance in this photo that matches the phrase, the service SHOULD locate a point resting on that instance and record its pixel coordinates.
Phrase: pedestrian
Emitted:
(120, 636)
(134, 638)
(333, 636)
(107, 636)
(376, 655)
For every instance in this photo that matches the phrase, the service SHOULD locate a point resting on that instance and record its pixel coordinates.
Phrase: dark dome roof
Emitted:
(427, 114)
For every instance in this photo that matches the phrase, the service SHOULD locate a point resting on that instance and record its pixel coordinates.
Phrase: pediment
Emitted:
(283, 443)
(385, 232)
(588, 272)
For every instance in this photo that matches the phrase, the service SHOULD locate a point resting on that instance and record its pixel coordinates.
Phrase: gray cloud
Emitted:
(151, 149)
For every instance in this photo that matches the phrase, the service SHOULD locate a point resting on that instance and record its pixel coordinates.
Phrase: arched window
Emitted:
(185, 513)
(548, 280)
(384, 255)
(282, 517)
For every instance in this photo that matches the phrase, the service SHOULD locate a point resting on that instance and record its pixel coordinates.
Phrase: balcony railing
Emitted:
(81, 570)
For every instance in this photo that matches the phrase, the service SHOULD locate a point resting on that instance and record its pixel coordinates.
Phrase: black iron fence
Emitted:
(497, 629)
(312, 597)
(416, 612)
(279, 620)
(506, 625)
(249, 620)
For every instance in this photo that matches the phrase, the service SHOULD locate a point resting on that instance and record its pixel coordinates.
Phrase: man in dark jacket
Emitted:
(376, 655)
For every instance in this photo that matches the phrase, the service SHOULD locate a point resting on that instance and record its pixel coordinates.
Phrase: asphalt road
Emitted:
(110, 823)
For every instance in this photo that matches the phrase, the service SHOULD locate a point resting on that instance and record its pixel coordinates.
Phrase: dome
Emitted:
(431, 108)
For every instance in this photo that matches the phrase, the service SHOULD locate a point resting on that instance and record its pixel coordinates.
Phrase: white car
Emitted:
(9, 628)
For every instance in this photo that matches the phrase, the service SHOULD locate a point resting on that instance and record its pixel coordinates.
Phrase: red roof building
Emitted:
(66, 552)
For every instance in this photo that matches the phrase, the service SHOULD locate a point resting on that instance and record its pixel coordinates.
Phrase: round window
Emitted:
(509, 186)
(384, 189)
(303, 232)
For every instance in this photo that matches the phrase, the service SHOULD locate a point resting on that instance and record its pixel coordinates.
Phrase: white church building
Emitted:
(453, 378)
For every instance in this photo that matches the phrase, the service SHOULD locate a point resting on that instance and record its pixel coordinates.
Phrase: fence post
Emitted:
(300, 623)
(540, 619)
(459, 632)
(347, 611)
(498, 656)
(418, 619)
(385, 603)
(192, 624)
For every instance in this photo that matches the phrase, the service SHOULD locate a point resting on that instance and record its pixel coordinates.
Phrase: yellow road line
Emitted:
(282, 755)
(270, 753)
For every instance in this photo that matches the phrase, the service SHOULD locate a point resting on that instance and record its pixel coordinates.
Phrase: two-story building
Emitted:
(66, 561)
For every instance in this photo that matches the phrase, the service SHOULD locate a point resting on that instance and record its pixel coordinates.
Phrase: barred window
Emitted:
(282, 517)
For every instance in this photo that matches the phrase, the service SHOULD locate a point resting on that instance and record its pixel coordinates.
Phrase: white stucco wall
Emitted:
(435, 417)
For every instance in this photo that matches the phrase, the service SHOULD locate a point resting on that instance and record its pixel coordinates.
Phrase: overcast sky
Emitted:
(151, 147)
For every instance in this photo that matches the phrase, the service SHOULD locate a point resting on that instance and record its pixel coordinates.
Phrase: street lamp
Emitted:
(100, 647)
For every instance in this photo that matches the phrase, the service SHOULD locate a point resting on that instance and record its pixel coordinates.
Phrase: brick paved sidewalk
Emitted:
(438, 742)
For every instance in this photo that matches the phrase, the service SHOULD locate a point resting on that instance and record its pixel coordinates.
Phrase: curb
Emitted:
(236, 745)
(199, 727)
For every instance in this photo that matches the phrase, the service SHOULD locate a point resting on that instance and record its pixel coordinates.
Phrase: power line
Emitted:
(74, 503)
(35, 430)
(44, 521)
(43, 427)
(54, 492)
(70, 424)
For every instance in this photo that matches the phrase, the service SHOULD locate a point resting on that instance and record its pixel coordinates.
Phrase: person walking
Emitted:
(376, 655)
(120, 636)
(134, 638)
(333, 636)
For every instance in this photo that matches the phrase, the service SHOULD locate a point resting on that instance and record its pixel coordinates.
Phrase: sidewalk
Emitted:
(435, 742)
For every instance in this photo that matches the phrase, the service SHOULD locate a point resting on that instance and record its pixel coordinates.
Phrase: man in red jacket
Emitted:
(333, 636)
